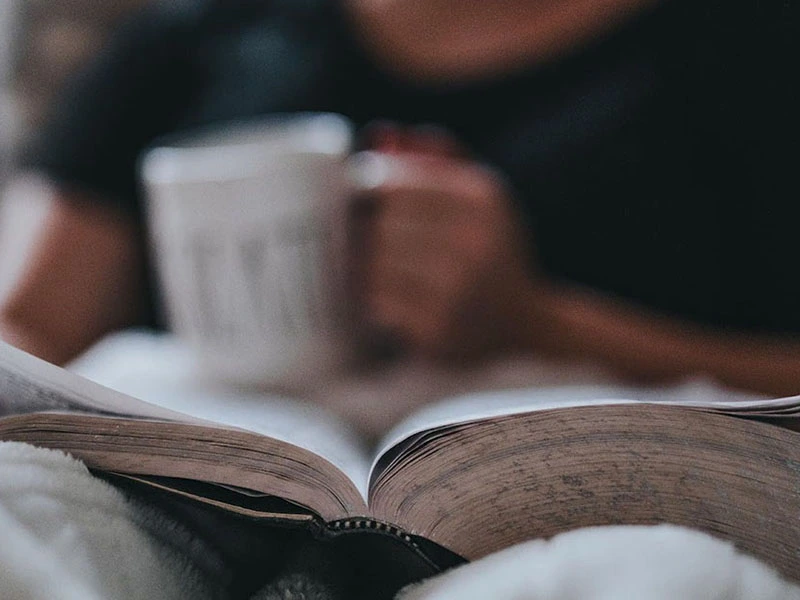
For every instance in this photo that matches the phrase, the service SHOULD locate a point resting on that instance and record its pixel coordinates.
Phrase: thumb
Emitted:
(426, 140)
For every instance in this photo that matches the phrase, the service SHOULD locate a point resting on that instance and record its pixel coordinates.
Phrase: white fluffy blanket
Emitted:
(613, 563)
(67, 535)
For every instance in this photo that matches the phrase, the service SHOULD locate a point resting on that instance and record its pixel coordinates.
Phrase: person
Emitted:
(613, 184)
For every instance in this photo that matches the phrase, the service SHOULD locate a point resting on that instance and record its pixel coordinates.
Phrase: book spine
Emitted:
(433, 555)
(361, 524)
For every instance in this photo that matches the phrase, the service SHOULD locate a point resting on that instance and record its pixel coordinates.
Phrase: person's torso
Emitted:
(651, 164)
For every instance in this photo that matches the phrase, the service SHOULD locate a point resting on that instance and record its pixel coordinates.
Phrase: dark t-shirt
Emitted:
(654, 164)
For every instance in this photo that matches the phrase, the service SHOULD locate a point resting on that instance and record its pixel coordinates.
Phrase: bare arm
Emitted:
(466, 39)
(84, 278)
(446, 272)
(645, 345)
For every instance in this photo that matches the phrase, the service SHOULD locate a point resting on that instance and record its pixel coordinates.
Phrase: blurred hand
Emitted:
(444, 266)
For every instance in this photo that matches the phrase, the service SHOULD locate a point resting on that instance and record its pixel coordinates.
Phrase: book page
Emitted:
(29, 384)
(697, 393)
(156, 368)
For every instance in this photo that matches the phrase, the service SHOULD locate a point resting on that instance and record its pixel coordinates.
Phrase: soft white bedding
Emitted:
(662, 562)
(67, 535)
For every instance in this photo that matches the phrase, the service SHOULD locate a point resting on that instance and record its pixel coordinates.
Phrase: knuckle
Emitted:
(481, 185)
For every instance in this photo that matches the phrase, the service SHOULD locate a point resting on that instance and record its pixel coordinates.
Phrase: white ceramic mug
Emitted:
(249, 226)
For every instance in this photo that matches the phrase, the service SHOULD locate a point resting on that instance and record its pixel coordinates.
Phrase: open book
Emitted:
(471, 474)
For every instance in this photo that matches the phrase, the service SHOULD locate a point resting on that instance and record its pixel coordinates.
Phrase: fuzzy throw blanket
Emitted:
(67, 535)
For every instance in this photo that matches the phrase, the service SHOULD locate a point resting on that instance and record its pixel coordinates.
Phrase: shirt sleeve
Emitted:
(131, 93)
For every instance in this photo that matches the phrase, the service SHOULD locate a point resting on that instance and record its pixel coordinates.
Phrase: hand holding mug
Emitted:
(445, 265)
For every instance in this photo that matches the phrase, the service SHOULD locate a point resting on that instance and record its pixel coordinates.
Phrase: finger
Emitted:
(447, 182)
(395, 189)
(426, 285)
(407, 239)
(414, 224)
(427, 139)
(434, 283)
(434, 207)
(382, 136)
(419, 330)
(432, 141)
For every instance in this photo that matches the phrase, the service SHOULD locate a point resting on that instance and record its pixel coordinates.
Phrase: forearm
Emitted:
(647, 346)
(83, 279)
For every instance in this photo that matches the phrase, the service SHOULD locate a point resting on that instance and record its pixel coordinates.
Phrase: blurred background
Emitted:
(42, 42)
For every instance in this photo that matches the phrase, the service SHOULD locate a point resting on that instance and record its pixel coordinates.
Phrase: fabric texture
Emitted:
(67, 535)
(612, 563)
